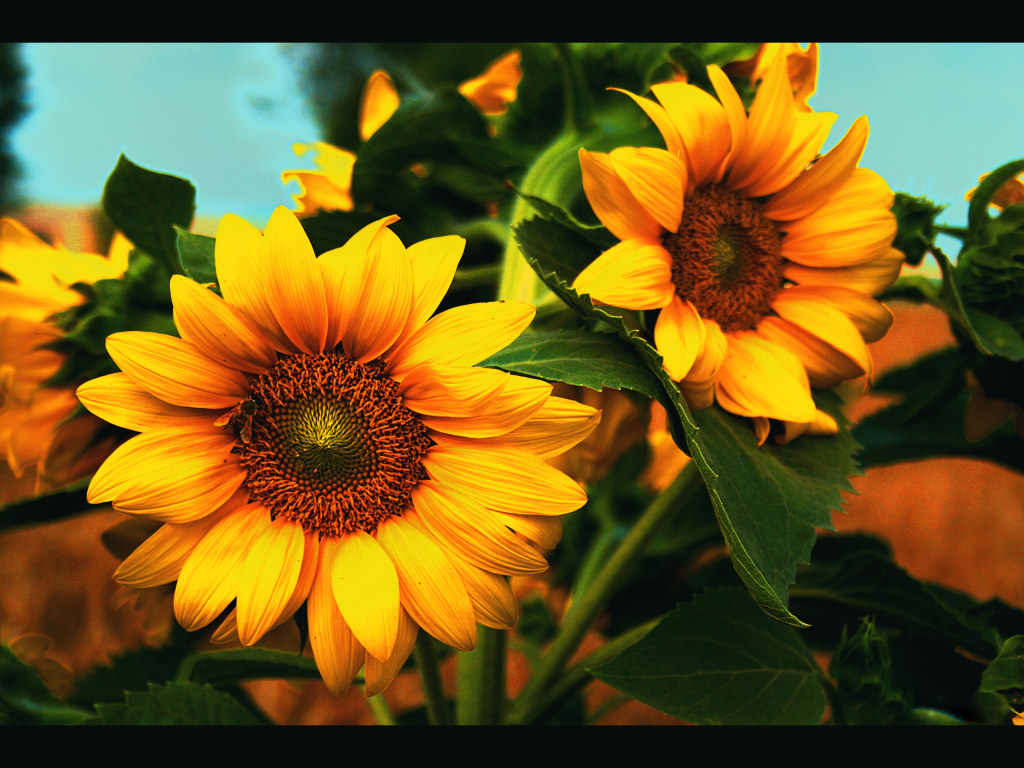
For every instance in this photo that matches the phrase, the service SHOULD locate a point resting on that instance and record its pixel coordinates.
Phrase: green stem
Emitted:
(430, 678)
(584, 611)
(480, 698)
(381, 710)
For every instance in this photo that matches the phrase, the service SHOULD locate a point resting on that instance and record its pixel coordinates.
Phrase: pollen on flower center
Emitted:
(331, 445)
(726, 258)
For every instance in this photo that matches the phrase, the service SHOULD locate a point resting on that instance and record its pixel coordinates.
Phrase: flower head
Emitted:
(761, 255)
(36, 428)
(316, 436)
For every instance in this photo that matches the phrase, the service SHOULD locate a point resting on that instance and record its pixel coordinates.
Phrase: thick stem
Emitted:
(480, 699)
(430, 679)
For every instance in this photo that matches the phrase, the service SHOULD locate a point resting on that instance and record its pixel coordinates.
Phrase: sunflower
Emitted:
(801, 63)
(316, 437)
(36, 424)
(761, 256)
(329, 188)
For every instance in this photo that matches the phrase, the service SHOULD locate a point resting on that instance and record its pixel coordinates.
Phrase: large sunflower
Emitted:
(36, 424)
(315, 436)
(762, 256)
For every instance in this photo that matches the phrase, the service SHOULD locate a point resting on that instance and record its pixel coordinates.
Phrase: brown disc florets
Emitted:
(726, 258)
(331, 445)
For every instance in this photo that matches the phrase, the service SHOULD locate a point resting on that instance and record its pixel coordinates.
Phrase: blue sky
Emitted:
(940, 115)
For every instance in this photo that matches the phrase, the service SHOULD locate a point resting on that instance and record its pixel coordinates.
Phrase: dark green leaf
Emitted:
(130, 671)
(721, 660)
(862, 669)
(1005, 675)
(176, 704)
(40, 509)
(594, 360)
(146, 205)
(223, 667)
(196, 255)
(24, 700)
(915, 220)
(977, 212)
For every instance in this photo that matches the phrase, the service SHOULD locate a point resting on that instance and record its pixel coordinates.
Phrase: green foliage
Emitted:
(862, 670)
(915, 220)
(177, 704)
(24, 699)
(196, 256)
(1005, 675)
(720, 660)
(219, 668)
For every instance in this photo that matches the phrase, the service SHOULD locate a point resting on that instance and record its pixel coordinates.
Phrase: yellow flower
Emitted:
(329, 188)
(801, 64)
(761, 256)
(493, 90)
(317, 437)
(35, 428)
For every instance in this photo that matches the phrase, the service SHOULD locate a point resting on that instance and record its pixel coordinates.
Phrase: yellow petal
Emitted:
(556, 427)
(379, 102)
(268, 578)
(220, 332)
(385, 299)
(434, 262)
(854, 227)
(176, 371)
(699, 384)
(656, 178)
(493, 602)
(872, 318)
(543, 531)
(506, 479)
(735, 113)
(759, 378)
(679, 336)
(870, 279)
(661, 120)
(473, 533)
(243, 270)
(613, 202)
(208, 581)
(451, 390)
(518, 401)
(366, 590)
(462, 335)
(432, 590)
(299, 304)
(159, 559)
(703, 127)
(379, 673)
(319, 192)
(122, 402)
(633, 274)
(175, 476)
(815, 186)
(337, 652)
(342, 271)
(826, 365)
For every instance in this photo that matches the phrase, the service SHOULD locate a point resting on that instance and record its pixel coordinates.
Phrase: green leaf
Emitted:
(196, 255)
(130, 671)
(862, 669)
(146, 206)
(176, 704)
(1005, 675)
(768, 523)
(721, 660)
(594, 360)
(977, 212)
(223, 667)
(24, 700)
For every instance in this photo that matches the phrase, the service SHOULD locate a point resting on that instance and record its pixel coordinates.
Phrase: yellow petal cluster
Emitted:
(485, 505)
(830, 222)
(35, 429)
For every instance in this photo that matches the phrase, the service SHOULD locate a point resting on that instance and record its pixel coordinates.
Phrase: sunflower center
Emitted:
(330, 444)
(726, 258)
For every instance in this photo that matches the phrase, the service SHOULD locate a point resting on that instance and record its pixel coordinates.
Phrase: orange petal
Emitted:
(432, 590)
(656, 178)
(122, 402)
(633, 274)
(337, 652)
(870, 279)
(613, 202)
(556, 427)
(759, 378)
(493, 602)
(379, 673)
(703, 127)
(518, 401)
(176, 371)
(735, 113)
(451, 390)
(378, 103)
(872, 318)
